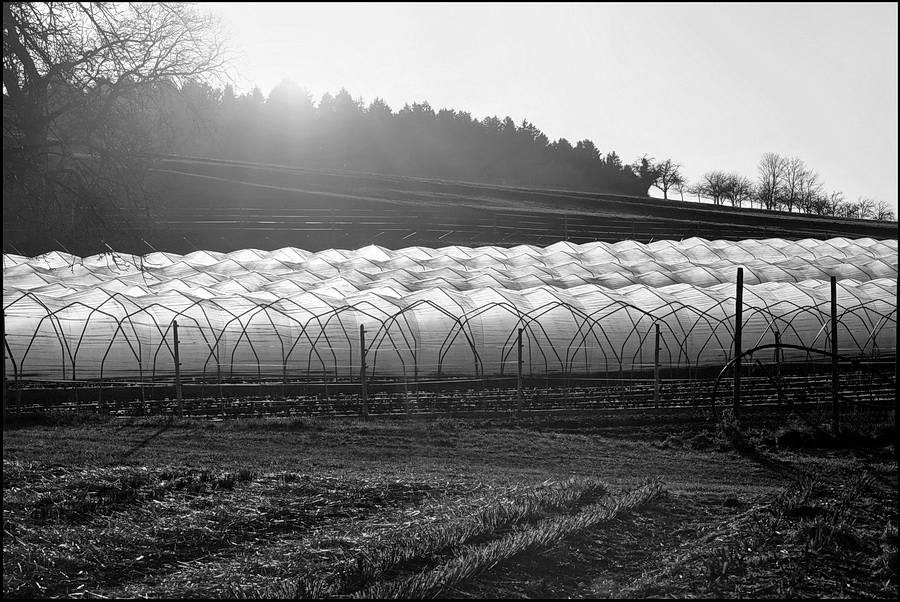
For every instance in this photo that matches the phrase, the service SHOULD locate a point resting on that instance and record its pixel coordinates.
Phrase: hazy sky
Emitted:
(712, 86)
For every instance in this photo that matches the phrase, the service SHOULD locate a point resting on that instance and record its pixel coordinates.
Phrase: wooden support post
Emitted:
(3, 342)
(835, 408)
(177, 371)
(405, 392)
(141, 373)
(778, 361)
(656, 370)
(519, 372)
(738, 324)
(362, 371)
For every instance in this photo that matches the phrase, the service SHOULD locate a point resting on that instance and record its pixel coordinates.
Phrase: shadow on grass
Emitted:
(148, 439)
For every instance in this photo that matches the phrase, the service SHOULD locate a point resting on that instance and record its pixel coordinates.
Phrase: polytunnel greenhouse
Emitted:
(433, 313)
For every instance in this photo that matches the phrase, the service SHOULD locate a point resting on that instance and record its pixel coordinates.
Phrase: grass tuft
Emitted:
(733, 433)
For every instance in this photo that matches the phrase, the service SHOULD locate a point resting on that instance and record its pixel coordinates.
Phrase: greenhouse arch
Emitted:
(432, 313)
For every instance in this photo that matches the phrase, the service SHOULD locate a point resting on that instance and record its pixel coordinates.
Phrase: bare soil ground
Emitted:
(504, 507)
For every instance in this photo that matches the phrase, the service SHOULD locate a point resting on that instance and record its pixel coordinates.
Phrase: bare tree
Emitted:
(668, 177)
(738, 189)
(794, 174)
(681, 187)
(834, 203)
(811, 190)
(846, 209)
(883, 212)
(713, 184)
(817, 204)
(865, 207)
(696, 188)
(84, 93)
(771, 170)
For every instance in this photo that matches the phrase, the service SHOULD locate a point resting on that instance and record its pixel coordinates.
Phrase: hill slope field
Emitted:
(249, 205)
(226, 205)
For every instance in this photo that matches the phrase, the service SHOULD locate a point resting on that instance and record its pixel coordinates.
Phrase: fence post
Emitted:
(738, 324)
(835, 409)
(656, 370)
(362, 371)
(3, 342)
(519, 372)
(177, 371)
(15, 375)
(778, 361)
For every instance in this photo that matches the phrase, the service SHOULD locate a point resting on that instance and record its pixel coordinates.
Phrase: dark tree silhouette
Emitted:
(88, 95)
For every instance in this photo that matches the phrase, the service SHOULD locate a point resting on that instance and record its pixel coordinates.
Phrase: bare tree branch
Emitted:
(89, 94)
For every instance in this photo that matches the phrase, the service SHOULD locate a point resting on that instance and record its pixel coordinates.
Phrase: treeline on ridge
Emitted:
(343, 133)
(339, 132)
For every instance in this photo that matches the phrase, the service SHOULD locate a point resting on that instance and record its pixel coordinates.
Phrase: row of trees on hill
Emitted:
(782, 184)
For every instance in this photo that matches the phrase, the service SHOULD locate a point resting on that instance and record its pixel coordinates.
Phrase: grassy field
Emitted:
(623, 506)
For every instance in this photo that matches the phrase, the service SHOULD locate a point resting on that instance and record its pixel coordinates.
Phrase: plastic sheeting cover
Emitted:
(587, 308)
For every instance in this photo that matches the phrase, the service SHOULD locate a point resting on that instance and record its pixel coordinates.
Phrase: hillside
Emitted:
(227, 205)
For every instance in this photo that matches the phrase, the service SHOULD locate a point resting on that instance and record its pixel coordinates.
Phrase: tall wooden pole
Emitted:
(656, 370)
(177, 371)
(3, 342)
(738, 324)
(835, 409)
(778, 361)
(362, 371)
(519, 371)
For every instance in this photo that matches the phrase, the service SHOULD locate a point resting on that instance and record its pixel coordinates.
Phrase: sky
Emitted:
(712, 86)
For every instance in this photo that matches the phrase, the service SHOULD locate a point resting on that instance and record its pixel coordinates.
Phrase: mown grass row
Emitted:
(428, 560)
(810, 540)
(473, 560)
